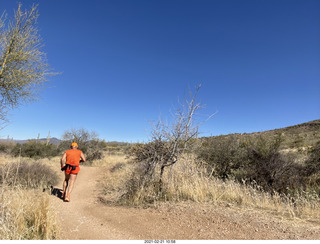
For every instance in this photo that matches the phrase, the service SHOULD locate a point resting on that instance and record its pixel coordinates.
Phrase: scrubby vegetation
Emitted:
(26, 170)
(188, 180)
(88, 142)
(6, 147)
(35, 149)
(277, 171)
(252, 170)
(267, 158)
(26, 174)
(25, 211)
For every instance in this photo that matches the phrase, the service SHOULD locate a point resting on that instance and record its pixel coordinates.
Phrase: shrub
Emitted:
(25, 211)
(224, 156)
(273, 170)
(117, 148)
(88, 143)
(188, 181)
(6, 147)
(312, 168)
(93, 149)
(141, 186)
(256, 159)
(35, 149)
(28, 175)
(27, 215)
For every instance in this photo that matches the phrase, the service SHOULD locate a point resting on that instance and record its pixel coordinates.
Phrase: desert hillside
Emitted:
(210, 193)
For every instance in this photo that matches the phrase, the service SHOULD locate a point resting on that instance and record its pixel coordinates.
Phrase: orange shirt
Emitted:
(73, 156)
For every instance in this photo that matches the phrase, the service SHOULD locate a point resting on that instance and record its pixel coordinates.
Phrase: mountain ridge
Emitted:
(307, 129)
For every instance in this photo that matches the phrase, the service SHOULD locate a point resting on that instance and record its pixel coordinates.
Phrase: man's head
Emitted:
(74, 145)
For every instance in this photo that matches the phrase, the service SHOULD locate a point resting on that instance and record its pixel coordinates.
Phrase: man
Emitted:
(70, 163)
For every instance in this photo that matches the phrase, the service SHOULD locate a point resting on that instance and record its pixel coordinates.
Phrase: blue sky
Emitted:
(125, 62)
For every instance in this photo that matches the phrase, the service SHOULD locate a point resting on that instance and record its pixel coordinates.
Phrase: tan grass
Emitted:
(110, 160)
(27, 215)
(117, 171)
(24, 213)
(5, 159)
(54, 161)
(186, 180)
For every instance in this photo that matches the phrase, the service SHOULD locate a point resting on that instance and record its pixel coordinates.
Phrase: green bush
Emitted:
(258, 159)
(312, 168)
(269, 168)
(35, 149)
(6, 147)
(224, 156)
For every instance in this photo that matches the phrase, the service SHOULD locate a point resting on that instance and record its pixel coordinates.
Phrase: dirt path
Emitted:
(86, 218)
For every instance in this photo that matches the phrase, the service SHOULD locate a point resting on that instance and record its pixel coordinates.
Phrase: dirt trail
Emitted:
(86, 218)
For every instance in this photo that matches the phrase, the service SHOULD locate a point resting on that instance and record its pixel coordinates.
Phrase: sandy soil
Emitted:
(85, 217)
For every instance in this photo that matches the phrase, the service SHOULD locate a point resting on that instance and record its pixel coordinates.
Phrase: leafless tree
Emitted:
(169, 141)
(81, 136)
(88, 142)
(23, 66)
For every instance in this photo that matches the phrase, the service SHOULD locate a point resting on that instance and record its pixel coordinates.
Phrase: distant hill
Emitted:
(57, 141)
(298, 129)
(301, 135)
(53, 140)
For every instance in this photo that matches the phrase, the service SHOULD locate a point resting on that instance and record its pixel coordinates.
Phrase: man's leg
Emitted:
(65, 184)
(71, 181)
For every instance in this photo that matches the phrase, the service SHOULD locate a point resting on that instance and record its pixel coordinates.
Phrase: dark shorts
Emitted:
(70, 171)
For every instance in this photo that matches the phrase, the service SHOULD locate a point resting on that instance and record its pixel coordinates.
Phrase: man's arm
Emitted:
(63, 159)
(83, 159)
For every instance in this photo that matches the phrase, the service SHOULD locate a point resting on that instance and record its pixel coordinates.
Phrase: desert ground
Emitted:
(86, 217)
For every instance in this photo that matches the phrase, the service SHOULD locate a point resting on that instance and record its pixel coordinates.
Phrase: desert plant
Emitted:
(223, 156)
(187, 180)
(312, 168)
(117, 148)
(27, 175)
(35, 149)
(23, 218)
(23, 66)
(88, 142)
(25, 210)
(257, 158)
(169, 142)
(272, 170)
(6, 147)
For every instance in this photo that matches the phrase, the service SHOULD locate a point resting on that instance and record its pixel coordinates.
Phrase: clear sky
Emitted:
(125, 62)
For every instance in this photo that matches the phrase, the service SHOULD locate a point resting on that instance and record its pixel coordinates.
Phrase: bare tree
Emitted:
(81, 136)
(88, 142)
(23, 66)
(169, 141)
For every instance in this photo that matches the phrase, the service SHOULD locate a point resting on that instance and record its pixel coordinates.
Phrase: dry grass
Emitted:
(25, 213)
(186, 180)
(110, 159)
(118, 169)
(28, 175)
